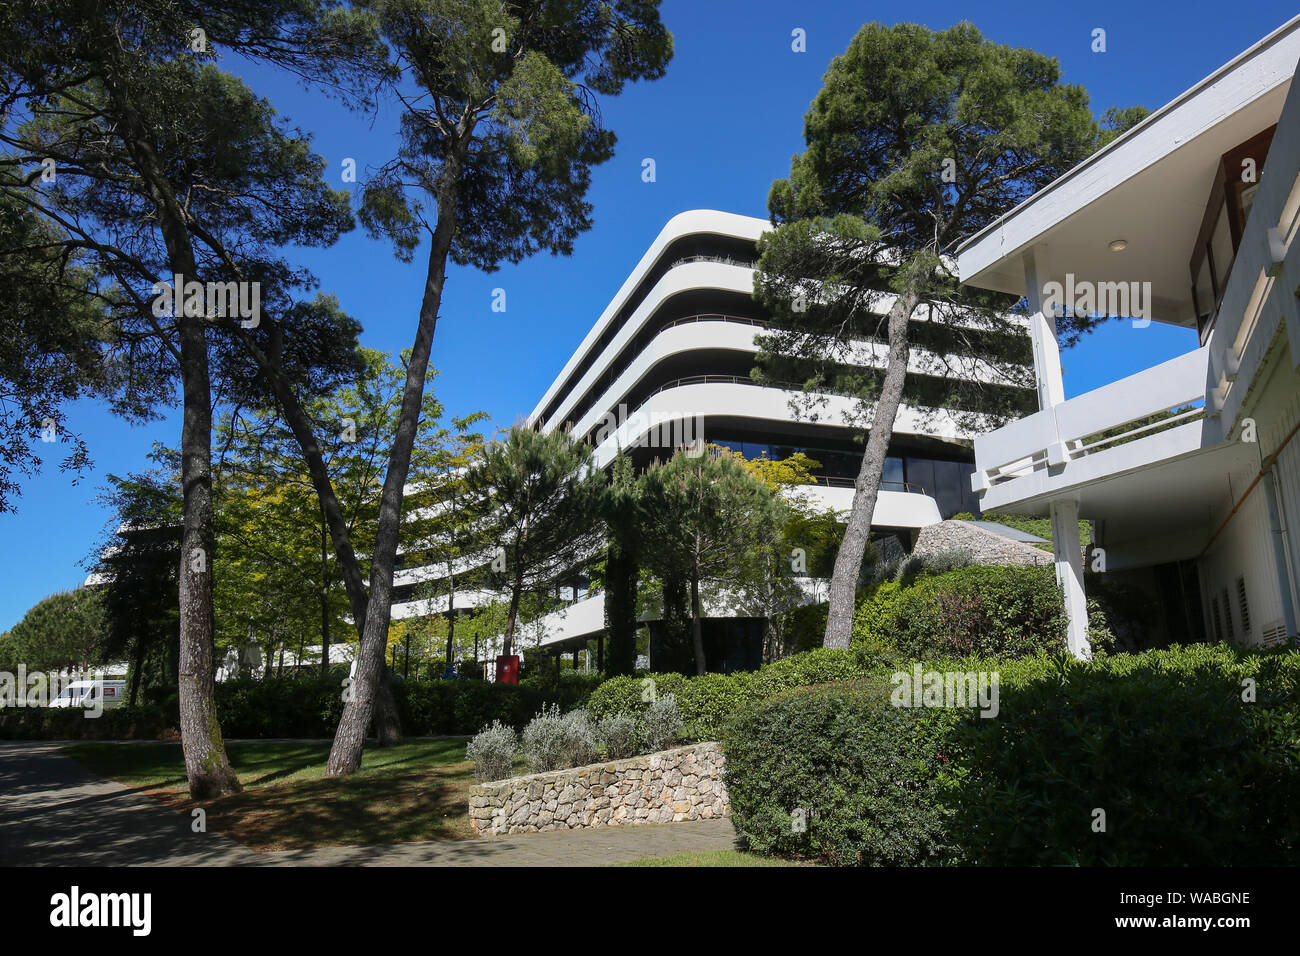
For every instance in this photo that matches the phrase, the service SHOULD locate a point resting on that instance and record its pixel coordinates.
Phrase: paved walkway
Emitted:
(53, 811)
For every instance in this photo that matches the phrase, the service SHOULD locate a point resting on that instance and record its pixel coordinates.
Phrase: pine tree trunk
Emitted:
(848, 562)
(516, 592)
(207, 768)
(371, 680)
(697, 626)
(621, 575)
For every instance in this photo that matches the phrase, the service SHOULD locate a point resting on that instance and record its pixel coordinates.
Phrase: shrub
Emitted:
(142, 722)
(661, 724)
(545, 747)
(708, 701)
(554, 742)
(493, 750)
(834, 773)
(618, 733)
(580, 737)
(990, 611)
(632, 695)
(1187, 772)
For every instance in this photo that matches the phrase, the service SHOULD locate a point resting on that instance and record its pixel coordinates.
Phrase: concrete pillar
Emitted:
(1042, 331)
(1065, 514)
(1069, 574)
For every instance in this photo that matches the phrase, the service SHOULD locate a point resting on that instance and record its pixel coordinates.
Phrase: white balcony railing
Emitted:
(1173, 393)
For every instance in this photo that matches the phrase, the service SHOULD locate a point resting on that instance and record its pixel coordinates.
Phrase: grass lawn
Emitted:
(709, 858)
(415, 791)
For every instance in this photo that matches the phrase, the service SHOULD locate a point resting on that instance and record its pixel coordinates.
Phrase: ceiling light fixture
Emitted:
(1118, 245)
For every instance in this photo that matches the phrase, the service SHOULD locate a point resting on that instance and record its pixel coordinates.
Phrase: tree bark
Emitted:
(207, 768)
(848, 562)
(350, 739)
(324, 597)
(697, 626)
(516, 592)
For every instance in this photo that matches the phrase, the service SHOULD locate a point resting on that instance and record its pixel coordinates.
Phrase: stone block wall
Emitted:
(666, 787)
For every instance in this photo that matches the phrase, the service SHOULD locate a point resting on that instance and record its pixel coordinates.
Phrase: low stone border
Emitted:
(665, 787)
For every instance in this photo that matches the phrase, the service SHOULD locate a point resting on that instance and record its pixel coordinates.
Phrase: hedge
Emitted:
(993, 611)
(310, 707)
(834, 773)
(145, 722)
(1186, 771)
(708, 701)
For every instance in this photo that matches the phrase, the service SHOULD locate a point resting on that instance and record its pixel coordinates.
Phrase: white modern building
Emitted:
(1190, 469)
(668, 362)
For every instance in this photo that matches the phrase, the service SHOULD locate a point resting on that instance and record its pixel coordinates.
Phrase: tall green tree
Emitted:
(542, 496)
(500, 126)
(64, 631)
(917, 140)
(141, 129)
(135, 567)
(714, 527)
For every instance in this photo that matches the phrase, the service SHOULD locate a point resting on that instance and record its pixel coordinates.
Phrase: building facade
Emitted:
(668, 364)
(1189, 470)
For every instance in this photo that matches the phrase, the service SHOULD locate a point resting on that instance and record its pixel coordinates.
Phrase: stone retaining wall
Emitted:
(665, 787)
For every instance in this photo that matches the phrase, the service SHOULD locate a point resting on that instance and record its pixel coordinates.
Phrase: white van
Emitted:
(86, 693)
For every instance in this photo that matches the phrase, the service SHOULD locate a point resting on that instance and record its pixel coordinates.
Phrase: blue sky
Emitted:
(720, 126)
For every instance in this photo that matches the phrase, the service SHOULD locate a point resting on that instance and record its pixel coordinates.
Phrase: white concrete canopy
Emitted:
(1149, 187)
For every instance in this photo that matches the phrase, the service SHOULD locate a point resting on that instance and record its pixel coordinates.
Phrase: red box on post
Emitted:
(508, 669)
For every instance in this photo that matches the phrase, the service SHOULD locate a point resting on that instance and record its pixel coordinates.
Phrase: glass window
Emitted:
(893, 473)
(1221, 250)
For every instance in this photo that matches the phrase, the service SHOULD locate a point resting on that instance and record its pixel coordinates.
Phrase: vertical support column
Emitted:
(1069, 575)
(600, 652)
(1065, 513)
(1042, 331)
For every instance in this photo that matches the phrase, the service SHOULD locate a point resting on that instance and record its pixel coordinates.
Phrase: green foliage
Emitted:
(142, 722)
(64, 630)
(708, 701)
(543, 503)
(837, 774)
(1132, 735)
(994, 611)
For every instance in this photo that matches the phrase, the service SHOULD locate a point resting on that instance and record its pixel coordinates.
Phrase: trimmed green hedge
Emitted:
(834, 773)
(993, 611)
(1186, 771)
(145, 722)
(707, 702)
(311, 707)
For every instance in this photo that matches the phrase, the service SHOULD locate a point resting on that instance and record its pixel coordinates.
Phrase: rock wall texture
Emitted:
(987, 547)
(665, 787)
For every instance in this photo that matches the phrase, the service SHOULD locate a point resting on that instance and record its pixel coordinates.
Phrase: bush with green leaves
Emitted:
(992, 611)
(619, 736)
(661, 724)
(835, 773)
(1190, 753)
(493, 750)
(707, 702)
